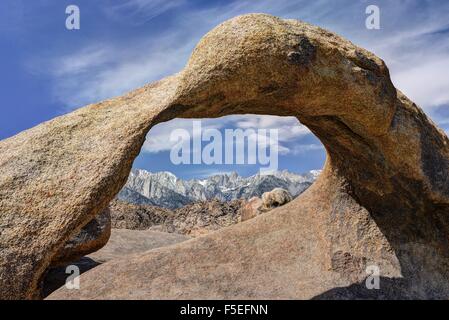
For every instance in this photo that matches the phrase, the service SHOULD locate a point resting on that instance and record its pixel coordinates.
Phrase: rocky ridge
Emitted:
(166, 190)
(193, 219)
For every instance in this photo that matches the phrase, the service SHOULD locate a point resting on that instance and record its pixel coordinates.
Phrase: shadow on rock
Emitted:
(389, 289)
(56, 277)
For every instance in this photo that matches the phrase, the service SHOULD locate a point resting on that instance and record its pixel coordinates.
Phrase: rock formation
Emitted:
(382, 198)
(126, 242)
(193, 219)
(164, 189)
(251, 209)
(202, 217)
(136, 217)
(275, 198)
(270, 200)
(121, 244)
(92, 237)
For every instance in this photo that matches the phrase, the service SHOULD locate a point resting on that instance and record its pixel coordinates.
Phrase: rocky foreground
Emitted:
(121, 244)
(193, 219)
(125, 229)
(382, 199)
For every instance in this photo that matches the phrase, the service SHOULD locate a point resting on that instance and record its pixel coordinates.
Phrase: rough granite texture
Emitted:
(92, 237)
(121, 244)
(202, 217)
(251, 209)
(193, 219)
(383, 196)
(124, 242)
(126, 215)
(275, 198)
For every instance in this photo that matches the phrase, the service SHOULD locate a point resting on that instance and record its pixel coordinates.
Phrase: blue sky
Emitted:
(47, 70)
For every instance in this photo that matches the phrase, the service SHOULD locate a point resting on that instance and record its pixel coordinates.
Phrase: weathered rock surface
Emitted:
(382, 199)
(251, 209)
(121, 244)
(202, 217)
(136, 217)
(193, 219)
(275, 198)
(91, 238)
(57, 176)
(270, 200)
(126, 242)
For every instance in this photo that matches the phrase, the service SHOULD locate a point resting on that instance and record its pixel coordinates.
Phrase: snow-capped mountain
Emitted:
(164, 189)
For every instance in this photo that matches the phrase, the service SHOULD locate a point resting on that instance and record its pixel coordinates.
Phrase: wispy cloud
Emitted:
(289, 129)
(83, 61)
(413, 40)
(104, 70)
(426, 82)
(140, 11)
(415, 45)
(301, 149)
(99, 71)
(158, 139)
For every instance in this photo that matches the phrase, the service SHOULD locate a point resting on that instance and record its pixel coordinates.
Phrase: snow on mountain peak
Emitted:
(166, 190)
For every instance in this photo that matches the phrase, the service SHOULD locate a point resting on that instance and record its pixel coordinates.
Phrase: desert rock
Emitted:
(121, 244)
(382, 198)
(126, 242)
(251, 209)
(193, 219)
(203, 217)
(136, 217)
(92, 237)
(275, 198)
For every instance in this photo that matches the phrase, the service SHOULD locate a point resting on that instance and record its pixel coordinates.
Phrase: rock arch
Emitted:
(382, 199)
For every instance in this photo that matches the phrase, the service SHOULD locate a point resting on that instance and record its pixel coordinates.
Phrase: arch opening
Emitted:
(229, 158)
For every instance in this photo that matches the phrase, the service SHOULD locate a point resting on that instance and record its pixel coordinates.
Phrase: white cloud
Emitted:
(82, 61)
(140, 11)
(258, 138)
(158, 139)
(415, 46)
(289, 129)
(101, 72)
(305, 148)
(426, 82)
(411, 41)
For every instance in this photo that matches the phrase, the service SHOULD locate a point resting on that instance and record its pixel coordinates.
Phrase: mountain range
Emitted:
(164, 189)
